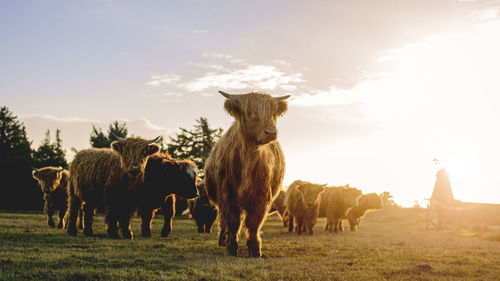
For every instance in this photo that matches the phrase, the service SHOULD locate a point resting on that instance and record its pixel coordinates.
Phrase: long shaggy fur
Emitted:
(107, 179)
(334, 204)
(53, 182)
(245, 169)
(302, 204)
(202, 211)
(370, 201)
(164, 179)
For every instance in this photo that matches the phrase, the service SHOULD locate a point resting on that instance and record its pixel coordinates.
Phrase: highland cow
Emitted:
(370, 201)
(245, 169)
(164, 179)
(53, 182)
(202, 211)
(279, 206)
(108, 179)
(334, 204)
(302, 204)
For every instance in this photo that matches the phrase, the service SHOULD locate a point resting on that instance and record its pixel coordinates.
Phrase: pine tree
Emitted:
(195, 144)
(15, 166)
(98, 138)
(115, 131)
(50, 154)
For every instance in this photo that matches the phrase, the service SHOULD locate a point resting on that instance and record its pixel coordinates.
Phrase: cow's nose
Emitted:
(271, 133)
(134, 170)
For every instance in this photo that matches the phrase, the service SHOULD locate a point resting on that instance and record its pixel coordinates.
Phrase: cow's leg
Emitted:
(300, 225)
(50, 213)
(336, 223)
(290, 223)
(111, 220)
(88, 217)
(254, 220)
(146, 218)
(310, 228)
(200, 224)
(74, 206)
(222, 233)
(80, 218)
(61, 223)
(124, 218)
(168, 214)
(232, 223)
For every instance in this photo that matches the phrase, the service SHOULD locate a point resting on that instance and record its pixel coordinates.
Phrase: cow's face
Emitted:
(134, 153)
(256, 115)
(310, 192)
(351, 196)
(49, 178)
(187, 179)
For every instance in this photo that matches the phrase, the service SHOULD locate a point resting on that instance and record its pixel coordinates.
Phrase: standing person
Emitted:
(442, 196)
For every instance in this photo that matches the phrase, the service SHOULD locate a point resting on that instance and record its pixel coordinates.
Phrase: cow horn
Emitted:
(60, 169)
(228, 96)
(35, 169)
(120, 139)
(154, 140)
(282, 97)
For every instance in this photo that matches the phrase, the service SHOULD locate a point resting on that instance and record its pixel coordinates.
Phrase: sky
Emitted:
(379, 88)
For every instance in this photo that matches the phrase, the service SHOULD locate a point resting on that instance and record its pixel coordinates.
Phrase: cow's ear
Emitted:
(232, 107)
(282, 107)
(300, 187)
(152, 149)
(116, 146)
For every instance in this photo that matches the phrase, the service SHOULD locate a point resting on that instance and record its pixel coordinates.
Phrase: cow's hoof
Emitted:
(128, 235)
(51, 224)
(165, 233)
(232, 250)
(146, 235)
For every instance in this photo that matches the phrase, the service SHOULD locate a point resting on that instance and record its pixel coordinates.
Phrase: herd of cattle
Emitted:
(242, 185)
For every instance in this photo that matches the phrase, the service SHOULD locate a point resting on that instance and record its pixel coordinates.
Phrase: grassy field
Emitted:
(389, 245)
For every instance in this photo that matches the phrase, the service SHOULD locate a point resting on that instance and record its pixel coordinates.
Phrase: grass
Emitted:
(389, 245)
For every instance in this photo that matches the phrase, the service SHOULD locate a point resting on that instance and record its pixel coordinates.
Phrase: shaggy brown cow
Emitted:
(53, 182)
(202, 211)
(370, 201)
(302, 204)
(245, 169)
(334, 204)
(164, 179)
(107, 179)
(279, 206)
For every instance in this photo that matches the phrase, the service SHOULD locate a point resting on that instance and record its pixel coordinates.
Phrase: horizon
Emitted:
(378, 90)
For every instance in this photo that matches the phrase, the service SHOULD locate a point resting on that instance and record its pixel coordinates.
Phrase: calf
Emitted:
(334, 204)
(370, 201)
(302, 204)
(164, 179)
(53, 182)
(202, 211)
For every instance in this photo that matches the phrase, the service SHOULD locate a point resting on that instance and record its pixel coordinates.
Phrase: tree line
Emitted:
(18, 157)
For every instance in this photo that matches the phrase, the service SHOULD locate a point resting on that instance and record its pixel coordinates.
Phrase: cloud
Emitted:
(252, 76)
(228, 58)
(157, 80)
(200, 31)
